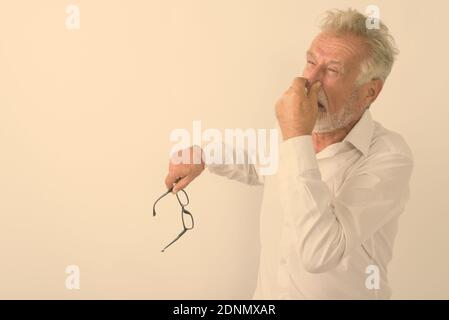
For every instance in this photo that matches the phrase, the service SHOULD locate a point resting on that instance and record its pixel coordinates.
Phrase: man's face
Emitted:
(335, 62)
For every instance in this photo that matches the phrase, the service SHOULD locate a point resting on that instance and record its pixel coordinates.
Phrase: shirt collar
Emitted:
(361, 134)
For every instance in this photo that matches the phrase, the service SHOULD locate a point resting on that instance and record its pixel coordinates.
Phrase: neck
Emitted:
(322, 140)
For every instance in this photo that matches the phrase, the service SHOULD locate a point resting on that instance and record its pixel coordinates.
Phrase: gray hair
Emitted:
(380, 44)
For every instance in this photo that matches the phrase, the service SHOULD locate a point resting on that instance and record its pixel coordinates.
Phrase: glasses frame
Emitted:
(183, 212)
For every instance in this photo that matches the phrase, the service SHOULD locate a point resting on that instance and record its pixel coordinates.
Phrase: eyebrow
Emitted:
(330, 62)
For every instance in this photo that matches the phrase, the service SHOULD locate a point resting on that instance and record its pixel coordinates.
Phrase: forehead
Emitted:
(347, 49)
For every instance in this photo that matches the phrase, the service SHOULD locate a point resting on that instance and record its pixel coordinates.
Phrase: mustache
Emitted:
(322, 98)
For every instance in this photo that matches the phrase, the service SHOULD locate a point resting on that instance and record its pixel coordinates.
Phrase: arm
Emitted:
(187, 164)
(246, 173)
(328, 228)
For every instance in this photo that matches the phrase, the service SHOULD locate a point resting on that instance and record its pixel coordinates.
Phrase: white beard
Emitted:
(327, 122)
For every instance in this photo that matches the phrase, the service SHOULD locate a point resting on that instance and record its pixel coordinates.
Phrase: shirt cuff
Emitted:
(297, 156)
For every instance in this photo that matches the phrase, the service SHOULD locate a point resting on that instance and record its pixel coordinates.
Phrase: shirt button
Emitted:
(283, 261)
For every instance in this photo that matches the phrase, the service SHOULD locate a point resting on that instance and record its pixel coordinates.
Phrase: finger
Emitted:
(299, 85)
(170, 180)
(184, 182)
(313, 94)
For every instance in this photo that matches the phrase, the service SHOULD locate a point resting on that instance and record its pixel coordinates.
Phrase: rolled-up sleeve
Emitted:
(328, 226)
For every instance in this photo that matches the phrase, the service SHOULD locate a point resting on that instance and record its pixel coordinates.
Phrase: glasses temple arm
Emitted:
(154, 205)
(179, 236)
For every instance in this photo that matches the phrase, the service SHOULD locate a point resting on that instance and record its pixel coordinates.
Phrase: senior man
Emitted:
(329, 215)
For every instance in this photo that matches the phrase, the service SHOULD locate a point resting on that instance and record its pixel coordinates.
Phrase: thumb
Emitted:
(313, 94)
(184, 182)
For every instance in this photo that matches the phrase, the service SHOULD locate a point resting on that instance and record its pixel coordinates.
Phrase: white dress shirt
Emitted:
(327, 217)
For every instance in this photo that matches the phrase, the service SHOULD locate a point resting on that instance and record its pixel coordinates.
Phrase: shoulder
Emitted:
(388, 142)
(389, 155)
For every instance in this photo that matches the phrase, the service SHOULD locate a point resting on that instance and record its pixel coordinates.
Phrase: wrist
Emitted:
(298, 133)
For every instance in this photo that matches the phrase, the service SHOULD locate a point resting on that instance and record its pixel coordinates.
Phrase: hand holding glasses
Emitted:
(187, 218)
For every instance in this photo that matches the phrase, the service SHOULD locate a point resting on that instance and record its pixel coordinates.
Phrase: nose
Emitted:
(313, 76)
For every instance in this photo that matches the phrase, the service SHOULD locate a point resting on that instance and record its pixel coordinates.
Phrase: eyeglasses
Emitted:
(187, 218)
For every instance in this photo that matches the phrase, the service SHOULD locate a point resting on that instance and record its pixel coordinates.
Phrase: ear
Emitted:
(374, 87)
